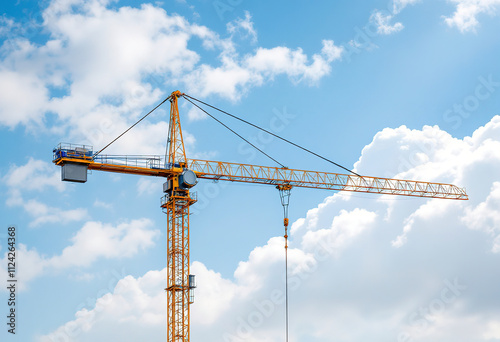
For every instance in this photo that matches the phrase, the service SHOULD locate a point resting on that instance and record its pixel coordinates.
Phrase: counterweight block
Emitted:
(72, 172)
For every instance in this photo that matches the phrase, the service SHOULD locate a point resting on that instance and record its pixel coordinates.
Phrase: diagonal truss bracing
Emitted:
(322, 180)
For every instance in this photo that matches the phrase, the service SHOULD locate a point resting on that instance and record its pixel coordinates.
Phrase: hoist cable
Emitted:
(285, 191)
(286, 287)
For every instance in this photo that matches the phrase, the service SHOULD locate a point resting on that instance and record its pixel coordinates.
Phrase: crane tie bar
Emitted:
(271, 133)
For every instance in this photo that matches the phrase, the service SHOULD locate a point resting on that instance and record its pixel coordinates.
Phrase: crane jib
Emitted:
(77, 159)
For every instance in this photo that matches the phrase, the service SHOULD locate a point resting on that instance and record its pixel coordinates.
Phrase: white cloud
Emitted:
(92, 242)
(330, 51)
(43, 213)
(214, 295)
(245, 25)
(104, 66)
(399, 5)
(344, 272)
(467, 11)
(465, 16)
(38, 176)
(33, 265)
(96, 240)
(493, 332)
(34, 175)
(236, 76)
(426, 212)
(344, 228)
(15, 88)
(486, 216)
(294, 63)
(7, 25)
(382, 22)
(195, 114)
(101, 204)
(433, 155)
(149, 186)
(133, 303)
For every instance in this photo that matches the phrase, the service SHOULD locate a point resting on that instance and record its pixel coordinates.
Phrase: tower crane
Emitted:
(182, 175)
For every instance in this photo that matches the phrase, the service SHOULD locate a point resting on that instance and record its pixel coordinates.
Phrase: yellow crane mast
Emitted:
(182, 174)
(176, 202)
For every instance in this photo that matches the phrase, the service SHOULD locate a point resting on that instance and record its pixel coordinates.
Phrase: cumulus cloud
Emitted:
(245, 25)
(133, 302)
(344, 228)
(34, 175)
(381, 19)
(140, 302)
(14, 88)
(467, 12)
(465, 16)
(149, 186)
(345, 269)
(94, 241)
(399, 5)
(38, 176)
(103, 66)
(382, 22)
(238, 74)
(486, 216)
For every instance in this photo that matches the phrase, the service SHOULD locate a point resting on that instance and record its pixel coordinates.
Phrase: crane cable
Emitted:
(186, 96)
(128, 129)
(285, 190)
(264, 153)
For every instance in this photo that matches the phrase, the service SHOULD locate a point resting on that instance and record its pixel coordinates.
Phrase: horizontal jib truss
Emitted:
(215, 170)
(322, 180)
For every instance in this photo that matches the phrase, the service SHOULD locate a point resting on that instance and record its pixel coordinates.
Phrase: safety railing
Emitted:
(74, 151)
(165, 198)
(148, 162)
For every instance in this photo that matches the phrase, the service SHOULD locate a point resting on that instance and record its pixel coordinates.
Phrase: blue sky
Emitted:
(403, 89)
